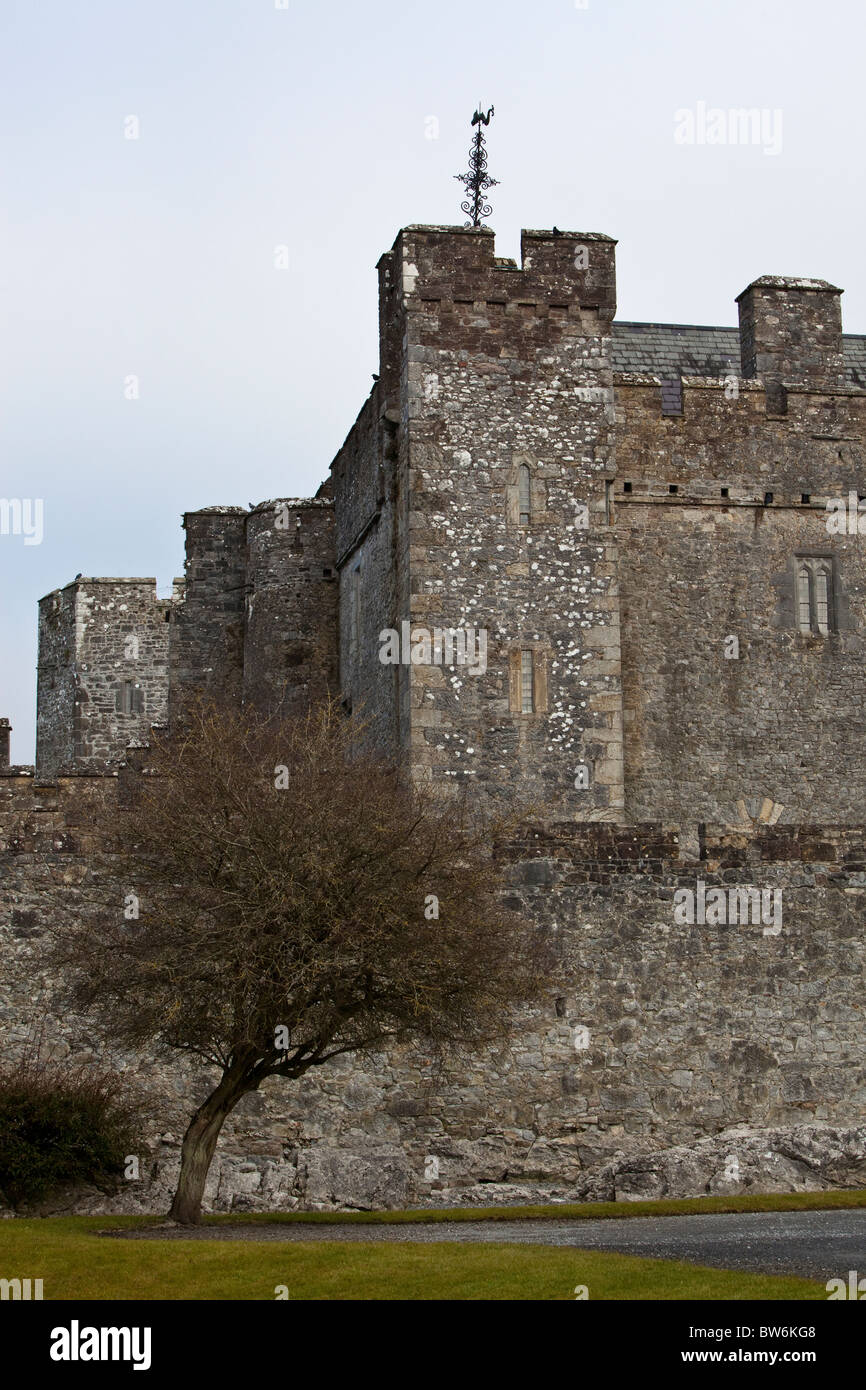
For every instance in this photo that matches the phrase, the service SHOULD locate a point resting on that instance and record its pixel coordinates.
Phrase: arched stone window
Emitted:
(525, 493)
(524, 496)
(815, 600)
(804, 599)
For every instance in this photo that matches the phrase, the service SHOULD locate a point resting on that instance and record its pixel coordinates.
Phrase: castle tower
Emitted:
(207, 631)
(291, 603)
(103, 672)
(472, 498)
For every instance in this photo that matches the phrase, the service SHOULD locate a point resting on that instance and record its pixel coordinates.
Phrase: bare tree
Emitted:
(266, 896)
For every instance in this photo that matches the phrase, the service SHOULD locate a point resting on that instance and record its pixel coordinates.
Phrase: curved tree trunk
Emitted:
(199, 1145)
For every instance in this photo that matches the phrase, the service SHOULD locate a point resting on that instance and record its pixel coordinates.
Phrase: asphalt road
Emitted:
(813, 1244)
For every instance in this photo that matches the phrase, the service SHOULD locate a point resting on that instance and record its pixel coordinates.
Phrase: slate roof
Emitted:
(666, 349)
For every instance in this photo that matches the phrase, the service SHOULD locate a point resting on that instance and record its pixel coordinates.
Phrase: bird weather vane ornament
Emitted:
(477, 181)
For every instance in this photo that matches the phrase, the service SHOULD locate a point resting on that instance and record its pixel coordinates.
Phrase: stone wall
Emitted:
(368, 497)
(726, 701)
(791, 331)
(56, 709)
(661, 1048)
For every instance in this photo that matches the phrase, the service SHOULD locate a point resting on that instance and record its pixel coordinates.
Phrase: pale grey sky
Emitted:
(308, 126)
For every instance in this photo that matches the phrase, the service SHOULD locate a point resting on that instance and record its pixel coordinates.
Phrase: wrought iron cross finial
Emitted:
(477, 181)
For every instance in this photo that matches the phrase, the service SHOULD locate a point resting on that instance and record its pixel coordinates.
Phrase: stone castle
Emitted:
(658, 532)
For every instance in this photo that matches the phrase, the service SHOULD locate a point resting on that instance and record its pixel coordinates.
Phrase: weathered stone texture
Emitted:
(783, 718)
(290, 628)
(501, 368)
(368, 497)
(791, 331)
(207, 634)
(654, 1035)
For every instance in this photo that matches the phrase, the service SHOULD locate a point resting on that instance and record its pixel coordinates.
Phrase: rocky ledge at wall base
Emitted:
(739, 1161)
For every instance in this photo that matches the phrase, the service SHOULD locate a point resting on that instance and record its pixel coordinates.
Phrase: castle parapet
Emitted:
(453, 273)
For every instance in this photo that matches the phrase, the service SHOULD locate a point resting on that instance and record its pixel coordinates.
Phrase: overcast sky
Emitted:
(310, 127)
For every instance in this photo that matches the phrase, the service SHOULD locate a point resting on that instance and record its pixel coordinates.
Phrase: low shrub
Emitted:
(61, 1125)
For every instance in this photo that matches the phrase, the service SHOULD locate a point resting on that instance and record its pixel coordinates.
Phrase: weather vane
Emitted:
(477, 181)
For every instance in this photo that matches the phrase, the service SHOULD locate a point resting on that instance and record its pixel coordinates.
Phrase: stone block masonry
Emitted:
(661, 1053)
(207, 637)
(532, 346)
(290, 623)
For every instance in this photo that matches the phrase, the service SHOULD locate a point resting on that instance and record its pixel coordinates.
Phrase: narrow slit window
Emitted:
(355, 620)
(524, 501)
(804, 603)
(129, 698)
(822, 601)
(527, 703)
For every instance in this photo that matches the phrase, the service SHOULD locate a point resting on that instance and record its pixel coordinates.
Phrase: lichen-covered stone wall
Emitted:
(368, 499)
(501, 368)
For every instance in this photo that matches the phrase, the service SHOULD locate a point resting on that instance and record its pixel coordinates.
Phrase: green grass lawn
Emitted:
(75, 1263)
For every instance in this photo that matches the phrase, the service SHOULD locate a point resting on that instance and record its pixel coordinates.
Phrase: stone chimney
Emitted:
(5, 731)
(791, 332)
